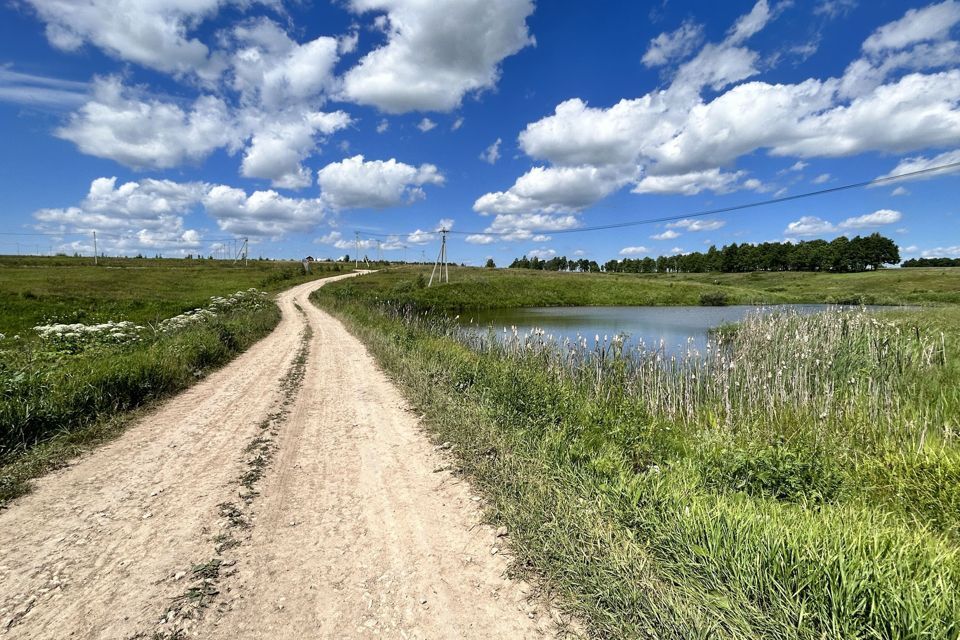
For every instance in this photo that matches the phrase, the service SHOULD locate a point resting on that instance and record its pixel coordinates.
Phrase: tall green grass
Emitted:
(682, 498)
(46, 394)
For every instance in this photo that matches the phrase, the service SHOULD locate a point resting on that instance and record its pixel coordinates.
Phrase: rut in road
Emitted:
(347, 533)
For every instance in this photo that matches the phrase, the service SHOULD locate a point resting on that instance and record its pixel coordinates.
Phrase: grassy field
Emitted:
(36, 290)
(115, 338)
(801, 481)
(474, 288)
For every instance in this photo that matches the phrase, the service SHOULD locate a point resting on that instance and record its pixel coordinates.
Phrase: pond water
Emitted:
(678, 327)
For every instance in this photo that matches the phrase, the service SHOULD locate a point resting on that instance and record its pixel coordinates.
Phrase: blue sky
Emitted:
(175, 126)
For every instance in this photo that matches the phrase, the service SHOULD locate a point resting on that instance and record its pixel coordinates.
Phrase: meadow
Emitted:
(474, 288)
(40, 290)
(801, 479)
(83, 346)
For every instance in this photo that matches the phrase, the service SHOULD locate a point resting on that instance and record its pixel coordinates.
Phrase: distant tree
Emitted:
(490, 264)
(839, 258)
(931, 262)
(729, 258)
(880, 251)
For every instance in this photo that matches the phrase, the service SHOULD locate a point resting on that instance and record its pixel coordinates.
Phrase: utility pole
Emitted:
(441, 260)
(242, 251)
(94, 248)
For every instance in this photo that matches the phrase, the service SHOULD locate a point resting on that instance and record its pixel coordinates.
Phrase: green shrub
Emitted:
(713, 299)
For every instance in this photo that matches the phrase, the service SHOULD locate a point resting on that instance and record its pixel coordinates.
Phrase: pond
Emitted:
(678, 327)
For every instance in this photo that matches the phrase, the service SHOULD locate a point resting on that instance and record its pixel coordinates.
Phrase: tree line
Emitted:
(932, 262)
(839, 255)
(556, 263)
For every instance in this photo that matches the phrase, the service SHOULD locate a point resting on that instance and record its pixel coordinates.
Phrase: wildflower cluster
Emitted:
(249, 300)
(77, 337)
(74, 338)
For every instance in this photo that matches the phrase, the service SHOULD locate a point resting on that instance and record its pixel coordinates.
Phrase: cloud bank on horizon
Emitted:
(224, 113)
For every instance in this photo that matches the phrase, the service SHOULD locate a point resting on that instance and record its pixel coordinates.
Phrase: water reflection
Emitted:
(678, 327)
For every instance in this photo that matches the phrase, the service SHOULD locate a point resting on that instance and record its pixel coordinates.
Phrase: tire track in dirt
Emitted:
(356, 535)
(352, 534)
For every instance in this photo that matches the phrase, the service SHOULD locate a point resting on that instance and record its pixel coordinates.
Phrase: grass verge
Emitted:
(757, 519)
(53, 406)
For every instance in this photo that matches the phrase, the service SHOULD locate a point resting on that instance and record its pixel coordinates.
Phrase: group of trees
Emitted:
(557, 263)
(839, 255)
(932, 262)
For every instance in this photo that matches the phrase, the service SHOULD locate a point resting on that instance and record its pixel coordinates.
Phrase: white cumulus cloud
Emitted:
(942, 252)
(697, 225)
(875, 219)
(280, 144)
(142, 133)
(356, 183)
(133, 217)
(543, 253)
(669, 234)
(152, 33)
(272, 70)
(436, 53)
(261, 213)
(813, 225)
(554, 189)
(479, 238)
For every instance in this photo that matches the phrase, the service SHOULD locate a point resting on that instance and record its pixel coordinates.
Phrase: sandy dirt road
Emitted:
(277, 498)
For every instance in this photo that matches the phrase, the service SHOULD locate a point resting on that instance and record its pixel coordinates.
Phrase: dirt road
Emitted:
(289, 495)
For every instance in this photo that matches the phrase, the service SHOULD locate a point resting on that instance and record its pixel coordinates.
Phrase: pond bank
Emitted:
(749, 500)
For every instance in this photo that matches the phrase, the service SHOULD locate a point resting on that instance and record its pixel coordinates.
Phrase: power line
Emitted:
(709, 212)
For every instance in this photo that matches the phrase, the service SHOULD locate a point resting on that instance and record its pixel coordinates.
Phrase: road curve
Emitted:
(344, 531)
